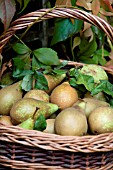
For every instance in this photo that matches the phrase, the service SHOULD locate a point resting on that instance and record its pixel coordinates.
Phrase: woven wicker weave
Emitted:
(31, 150)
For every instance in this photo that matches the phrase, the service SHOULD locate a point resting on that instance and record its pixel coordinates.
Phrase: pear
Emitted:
(6, 120)
(101, 120)
(53, 81)
(31, 108)
(27, 124)
(9, 95)
(7, 79)
(64, 95)
(89, 104)
(98, 96)
(37, 94)
(50, 126)
(71, 122)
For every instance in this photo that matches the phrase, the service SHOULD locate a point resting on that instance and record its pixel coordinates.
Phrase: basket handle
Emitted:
(44, 14)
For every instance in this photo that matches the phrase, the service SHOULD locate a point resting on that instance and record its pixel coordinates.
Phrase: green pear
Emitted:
(31, 108)
(53, 81)
(9, 95)
(27, 124)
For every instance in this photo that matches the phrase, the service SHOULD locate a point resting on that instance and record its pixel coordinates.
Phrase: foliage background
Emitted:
(71, 39)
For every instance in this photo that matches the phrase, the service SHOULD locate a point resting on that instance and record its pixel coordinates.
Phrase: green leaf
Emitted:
(64, 28)
(86, 80)
(80, 87)
(111, 102)
(100, 51)
(18, 66)
(104, 86)
(25, 3)
(100, 34)
(20, 48)
(73, 2)
(74, 72)
(22, 73)
(18, 63)
(40, 124)
(26, 59)
(27, 82)
(87, 48)
(100, 55)
(41, 82)
(79, 81)
(57, 71)
(46, 56)
(36, 65)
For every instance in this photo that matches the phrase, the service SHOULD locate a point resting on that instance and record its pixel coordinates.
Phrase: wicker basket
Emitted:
(29, 149)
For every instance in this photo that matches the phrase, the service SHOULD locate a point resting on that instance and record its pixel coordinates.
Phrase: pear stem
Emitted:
(37, 108)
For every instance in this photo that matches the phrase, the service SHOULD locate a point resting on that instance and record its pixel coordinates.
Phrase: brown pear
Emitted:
(64, 96)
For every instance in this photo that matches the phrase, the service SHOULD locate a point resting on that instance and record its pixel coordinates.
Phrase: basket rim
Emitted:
(33, 138)
(56, 12)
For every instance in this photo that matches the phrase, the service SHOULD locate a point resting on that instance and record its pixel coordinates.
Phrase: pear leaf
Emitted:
(64, 29)
(27, 82)
(20, 48)
(86, 80)
(41, 82)
(104, 86)
(47, 56)
(40, 124)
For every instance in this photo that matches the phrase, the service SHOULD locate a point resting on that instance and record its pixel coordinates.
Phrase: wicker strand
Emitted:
(84, 144)
(28, 19)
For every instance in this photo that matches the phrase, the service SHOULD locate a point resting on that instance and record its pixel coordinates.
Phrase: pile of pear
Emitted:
(21, 108)
(66, 113)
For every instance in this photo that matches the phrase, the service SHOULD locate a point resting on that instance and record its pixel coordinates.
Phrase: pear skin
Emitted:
(31, 108)
(53, 81)
(7, 79)
(6, 120)
(27, 124)
(64, 96)
(50, 126)
(9, 95)
(37, 94)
